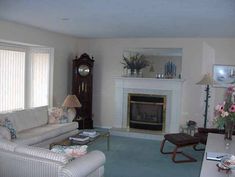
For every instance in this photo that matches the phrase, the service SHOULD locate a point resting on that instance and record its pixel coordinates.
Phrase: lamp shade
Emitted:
(206, 80)
(71, 101)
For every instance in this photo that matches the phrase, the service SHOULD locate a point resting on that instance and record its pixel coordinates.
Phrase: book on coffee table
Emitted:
(79, 138)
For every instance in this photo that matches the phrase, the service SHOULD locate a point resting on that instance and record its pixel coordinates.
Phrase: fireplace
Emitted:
(171, 89)
(147, 111)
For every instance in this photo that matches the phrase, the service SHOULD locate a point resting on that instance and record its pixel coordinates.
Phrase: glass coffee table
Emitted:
(68, 142)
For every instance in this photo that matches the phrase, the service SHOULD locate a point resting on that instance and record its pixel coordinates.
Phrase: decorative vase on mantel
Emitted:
(139, 73)
(228, 127)
(134, 73)
(130, 72)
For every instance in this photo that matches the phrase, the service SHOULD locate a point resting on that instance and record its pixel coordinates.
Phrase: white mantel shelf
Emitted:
(148, 79)
(171, 88)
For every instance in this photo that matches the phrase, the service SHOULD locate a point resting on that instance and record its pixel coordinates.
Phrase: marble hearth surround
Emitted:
(171, 88)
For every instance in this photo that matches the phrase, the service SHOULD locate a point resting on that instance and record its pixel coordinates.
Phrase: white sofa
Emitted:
(20, 158)
(28, 161)
(32, 127)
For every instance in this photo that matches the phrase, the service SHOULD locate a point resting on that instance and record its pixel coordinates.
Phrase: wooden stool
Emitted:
(179, 140)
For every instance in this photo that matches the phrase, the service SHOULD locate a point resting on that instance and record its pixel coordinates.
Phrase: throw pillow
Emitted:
(5, 133)
(55, 115)
(72, 151)
(9, 125)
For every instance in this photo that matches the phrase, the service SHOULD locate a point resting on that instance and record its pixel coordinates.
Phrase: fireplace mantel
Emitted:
(171, 88)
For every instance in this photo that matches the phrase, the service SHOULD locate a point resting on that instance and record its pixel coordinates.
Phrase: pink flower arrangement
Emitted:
(226, 111)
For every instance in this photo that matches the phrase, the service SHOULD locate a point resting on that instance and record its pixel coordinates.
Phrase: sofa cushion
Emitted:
(7, 145)
(30, 118)
(43, 153)
(38, 134)
(5, 133)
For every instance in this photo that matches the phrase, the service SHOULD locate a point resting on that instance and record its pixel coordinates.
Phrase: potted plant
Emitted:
(135, 63)
(225, 113)
(128, 63)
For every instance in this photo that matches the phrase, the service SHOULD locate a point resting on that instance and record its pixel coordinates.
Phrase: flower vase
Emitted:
(229, 125)
(135, 73)
(139, 73)
(129, 72)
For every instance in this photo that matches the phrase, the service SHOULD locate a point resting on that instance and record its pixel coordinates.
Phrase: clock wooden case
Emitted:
(82, 88)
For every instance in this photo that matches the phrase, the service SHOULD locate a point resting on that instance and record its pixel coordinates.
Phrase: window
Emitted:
(12, 75)
(25, 77)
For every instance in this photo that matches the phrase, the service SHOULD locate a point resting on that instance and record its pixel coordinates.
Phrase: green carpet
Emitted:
(131, 157)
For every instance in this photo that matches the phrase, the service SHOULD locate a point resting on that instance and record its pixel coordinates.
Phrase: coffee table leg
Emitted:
(108, 135)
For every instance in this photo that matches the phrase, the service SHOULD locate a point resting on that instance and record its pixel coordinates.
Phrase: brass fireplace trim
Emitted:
(148, 95)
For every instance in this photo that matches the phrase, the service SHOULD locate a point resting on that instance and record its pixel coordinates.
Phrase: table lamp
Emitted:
(206, 80)
(71, 102)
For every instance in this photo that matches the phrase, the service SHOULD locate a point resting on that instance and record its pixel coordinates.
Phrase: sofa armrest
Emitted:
(85, 165)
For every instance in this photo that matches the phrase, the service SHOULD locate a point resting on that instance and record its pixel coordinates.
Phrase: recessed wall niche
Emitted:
(158, 59)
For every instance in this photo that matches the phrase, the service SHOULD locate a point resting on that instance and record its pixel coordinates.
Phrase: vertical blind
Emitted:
(40, 60)
(24, 78)
(12, 79)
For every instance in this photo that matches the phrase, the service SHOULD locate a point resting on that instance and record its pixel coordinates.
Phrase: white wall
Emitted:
(65, 50)
(108, 54)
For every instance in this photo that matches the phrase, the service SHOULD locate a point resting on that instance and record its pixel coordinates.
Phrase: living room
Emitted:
(203, 45)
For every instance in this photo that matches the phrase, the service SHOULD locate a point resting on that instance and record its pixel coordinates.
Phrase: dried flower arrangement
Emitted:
(136, 61)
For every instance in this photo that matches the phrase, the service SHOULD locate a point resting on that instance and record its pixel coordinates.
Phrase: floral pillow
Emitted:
(72, 151)
(57, 116)
(9, 125)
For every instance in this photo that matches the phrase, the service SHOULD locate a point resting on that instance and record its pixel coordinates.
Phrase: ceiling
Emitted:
(125, 18)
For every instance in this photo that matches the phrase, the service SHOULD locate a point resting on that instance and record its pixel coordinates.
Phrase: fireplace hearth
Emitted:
(147, 111)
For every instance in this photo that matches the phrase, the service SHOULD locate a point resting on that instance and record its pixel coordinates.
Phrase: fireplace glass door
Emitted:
(147, 111)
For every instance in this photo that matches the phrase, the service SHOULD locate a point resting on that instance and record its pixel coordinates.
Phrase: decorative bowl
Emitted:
(229, 162)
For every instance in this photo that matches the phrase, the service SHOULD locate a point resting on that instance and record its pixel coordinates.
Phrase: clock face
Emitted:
(83, 70)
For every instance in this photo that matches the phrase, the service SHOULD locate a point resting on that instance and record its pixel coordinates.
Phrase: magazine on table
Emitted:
(89, 133)
(217, 156)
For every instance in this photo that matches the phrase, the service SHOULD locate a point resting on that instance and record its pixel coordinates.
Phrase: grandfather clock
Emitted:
(82, 88)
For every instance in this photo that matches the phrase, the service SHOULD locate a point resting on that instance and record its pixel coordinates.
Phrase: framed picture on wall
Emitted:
(223, 75)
